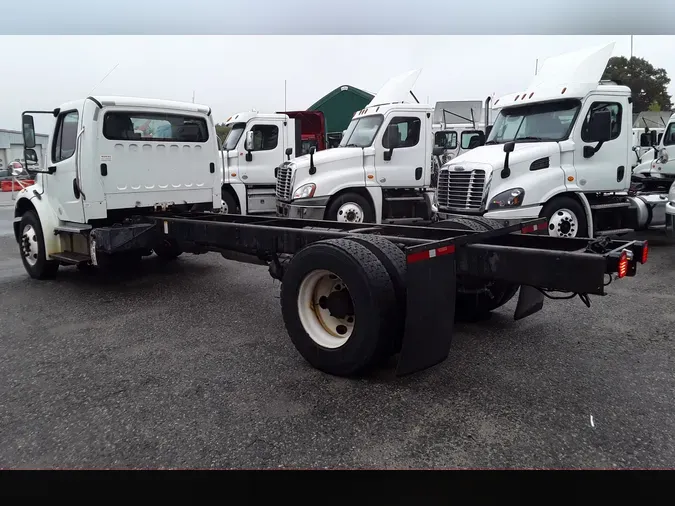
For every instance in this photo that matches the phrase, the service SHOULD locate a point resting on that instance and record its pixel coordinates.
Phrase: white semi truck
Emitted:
(380, 173)
(351, 294)
(256, 145)
(559, 150)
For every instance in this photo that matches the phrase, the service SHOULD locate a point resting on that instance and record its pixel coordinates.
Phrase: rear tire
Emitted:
(476, 297)
(32, 248)
(394, 261)
(350, 208)
(167, 250)
(317, 315)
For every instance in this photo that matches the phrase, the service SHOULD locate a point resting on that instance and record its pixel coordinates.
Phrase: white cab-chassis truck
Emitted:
(352, 294)
(561, 150)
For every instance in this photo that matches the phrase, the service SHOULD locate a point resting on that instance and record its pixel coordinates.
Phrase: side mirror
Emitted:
(289, 152)
(28, 129)
(600, 125)
(248, 143)
(391, 136)
(663, 156)
(645, 140)
(438, 151)
(509, 147)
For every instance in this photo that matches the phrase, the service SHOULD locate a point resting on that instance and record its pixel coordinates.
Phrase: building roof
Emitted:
(345, 87)
(339, 106)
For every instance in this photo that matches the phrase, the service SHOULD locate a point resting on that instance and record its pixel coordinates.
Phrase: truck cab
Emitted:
(109, 158)
(561, 149)
(255, 146)
(380, 172)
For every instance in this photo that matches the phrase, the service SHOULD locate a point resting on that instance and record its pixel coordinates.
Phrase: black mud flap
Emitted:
(430, 313)
(530, 301)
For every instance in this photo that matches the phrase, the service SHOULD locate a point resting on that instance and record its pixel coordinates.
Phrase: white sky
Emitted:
(237, 73)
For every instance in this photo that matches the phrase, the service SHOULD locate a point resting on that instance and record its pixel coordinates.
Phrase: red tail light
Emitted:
(645, 253)
(623, 264)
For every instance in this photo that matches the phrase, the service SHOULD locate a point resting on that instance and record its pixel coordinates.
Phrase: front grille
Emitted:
(461, 189)
(284, 180)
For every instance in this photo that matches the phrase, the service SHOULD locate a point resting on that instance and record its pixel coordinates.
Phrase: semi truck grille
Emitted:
(461, 190)
(284, 177)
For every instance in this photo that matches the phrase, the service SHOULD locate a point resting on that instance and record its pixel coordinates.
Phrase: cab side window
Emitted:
(265, 137)
(615, 112)
(65, 136)
(407, 130)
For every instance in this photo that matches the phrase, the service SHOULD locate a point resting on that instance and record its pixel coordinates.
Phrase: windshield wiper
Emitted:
(352, 146)
(491, 142)
(529, 138)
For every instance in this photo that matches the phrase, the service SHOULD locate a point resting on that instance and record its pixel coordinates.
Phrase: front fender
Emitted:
(26, 201)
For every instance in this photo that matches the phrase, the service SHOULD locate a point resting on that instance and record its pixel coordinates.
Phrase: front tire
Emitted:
(32, 248)
(338, 305)
(350, 208)
(566, 217)
(230, 205)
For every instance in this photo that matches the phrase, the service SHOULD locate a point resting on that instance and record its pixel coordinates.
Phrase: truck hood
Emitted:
(494, 155)
(326, 156)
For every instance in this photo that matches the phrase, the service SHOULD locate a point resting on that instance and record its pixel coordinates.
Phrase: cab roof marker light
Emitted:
(531, 94)
(563, 91)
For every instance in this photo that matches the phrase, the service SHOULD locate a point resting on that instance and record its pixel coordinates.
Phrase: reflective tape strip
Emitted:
(532, 228)
(430, 253)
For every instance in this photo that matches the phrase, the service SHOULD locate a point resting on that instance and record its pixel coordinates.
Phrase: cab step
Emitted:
(71, 258)
(610, 205)
(616, 231)
(72, 228)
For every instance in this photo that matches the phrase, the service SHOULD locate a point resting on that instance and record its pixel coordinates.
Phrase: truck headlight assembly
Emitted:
(305, 191)
(508, 199)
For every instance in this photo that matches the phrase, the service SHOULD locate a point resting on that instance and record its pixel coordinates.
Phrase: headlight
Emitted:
(305, 191)
(510, 198)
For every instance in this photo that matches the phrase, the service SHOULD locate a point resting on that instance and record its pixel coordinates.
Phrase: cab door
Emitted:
(257, 166)
(608, 168)
(63, 191)
(402, 152)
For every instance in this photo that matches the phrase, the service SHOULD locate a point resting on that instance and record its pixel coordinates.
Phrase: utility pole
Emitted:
(631, 47)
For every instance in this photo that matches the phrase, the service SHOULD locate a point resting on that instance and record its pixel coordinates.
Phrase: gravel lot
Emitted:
(189, 365)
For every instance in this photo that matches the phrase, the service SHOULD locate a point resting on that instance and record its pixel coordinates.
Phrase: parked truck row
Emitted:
(367, 269)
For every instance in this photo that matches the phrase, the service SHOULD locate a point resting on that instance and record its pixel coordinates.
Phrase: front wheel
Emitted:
(229, 204)
(32, 248)
(566, 218)
(350, 208)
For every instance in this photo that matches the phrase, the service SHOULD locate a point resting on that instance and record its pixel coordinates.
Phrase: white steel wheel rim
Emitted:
(29, 245)
(563, 223)
(321, 326)
(350, 212)
(226, 210)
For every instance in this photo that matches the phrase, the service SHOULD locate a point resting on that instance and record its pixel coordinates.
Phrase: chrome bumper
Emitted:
(286, 210)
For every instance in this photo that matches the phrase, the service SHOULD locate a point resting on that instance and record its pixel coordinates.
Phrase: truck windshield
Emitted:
(550, 121)
(361, 132)
(233, 136)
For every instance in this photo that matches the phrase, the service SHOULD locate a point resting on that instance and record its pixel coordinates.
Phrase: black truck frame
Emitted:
(435, 258)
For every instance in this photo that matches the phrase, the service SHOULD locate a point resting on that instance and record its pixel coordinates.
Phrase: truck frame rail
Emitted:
(435, 259)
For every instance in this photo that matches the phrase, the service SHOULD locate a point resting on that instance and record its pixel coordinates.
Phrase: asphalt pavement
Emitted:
(188, 365)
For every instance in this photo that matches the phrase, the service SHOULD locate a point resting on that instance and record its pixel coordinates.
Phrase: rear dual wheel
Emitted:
(340, 306)
(477, 297)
